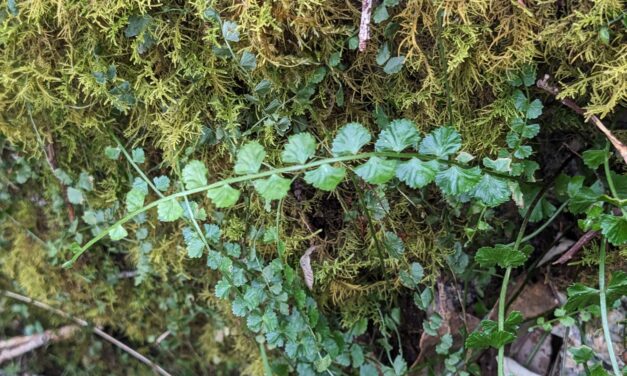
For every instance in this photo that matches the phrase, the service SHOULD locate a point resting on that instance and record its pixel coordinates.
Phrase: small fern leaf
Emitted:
(299, 148)
(399, 135)
(272, 188)
(224, 196)
(325, 177)
(416, 173)
(377, 170)
(249, 158)
(350, 139)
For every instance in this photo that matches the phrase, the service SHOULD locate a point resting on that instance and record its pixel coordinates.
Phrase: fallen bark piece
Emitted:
(305, 265)
(513, 368)
(18, 346)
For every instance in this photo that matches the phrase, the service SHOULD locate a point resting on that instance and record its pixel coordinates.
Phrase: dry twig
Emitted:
(85, 324)
(585, 239)
(18, 346)
(544, 85)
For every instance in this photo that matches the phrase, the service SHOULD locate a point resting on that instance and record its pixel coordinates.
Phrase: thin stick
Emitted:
(572, 251)
(85, 324)
(544, 85)
(364, 26)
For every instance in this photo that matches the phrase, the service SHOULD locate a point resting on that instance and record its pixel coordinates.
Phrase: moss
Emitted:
(179, 99)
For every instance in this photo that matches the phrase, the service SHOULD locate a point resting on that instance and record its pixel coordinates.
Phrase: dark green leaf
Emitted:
(222, 288)
(134, 200)
(502, 255)
(604, 35)
(523, 129)
(393, 244)
(263, 87)
(412, 277)
(489, 336)
(112, 152)
(400, 366)
(617, 287)
(581, 354)
(339, 96)
(581, 296)
(594, 158)
(534, 110)
(499, 165)
(136, 25)
(75, 196)
(85, 182)
(138, 155)
(318, 75)
(162, 183)
(526, 76)
(214, 259)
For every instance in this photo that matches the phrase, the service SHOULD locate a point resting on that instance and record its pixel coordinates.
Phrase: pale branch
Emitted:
(85, 324)
(618, 145)
(364, 26)
(18, 346)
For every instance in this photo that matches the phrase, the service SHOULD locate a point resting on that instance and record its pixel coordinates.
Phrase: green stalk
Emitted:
(267, 370)
(610, 181)
(603, 298)
(545, 224)
(135, 166)
(506, 277)
(501, 323)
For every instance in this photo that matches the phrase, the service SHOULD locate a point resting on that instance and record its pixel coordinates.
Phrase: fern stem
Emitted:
(603, 303)
(245, 178)
(135, 166)
(546, 223)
